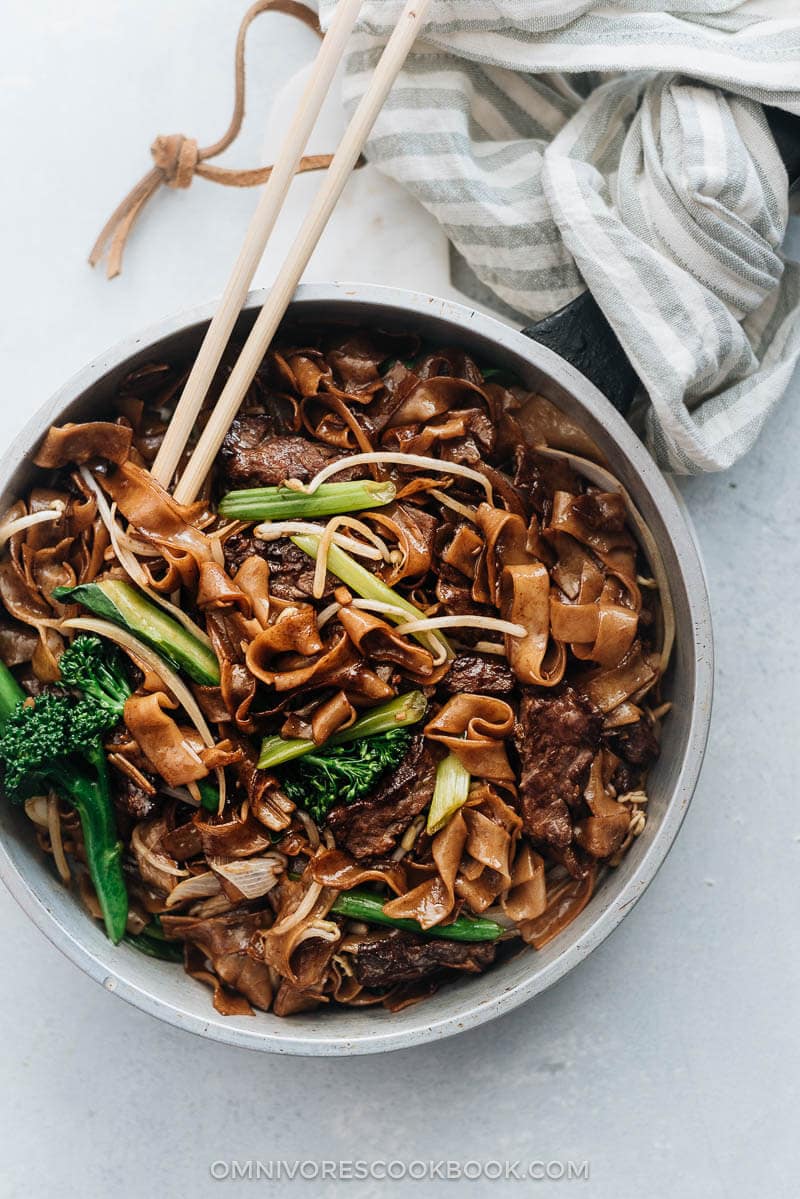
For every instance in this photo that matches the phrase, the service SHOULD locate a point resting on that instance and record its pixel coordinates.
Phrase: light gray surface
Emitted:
(669, 1060)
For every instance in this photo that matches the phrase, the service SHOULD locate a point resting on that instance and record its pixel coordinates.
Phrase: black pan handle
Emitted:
(580, 333)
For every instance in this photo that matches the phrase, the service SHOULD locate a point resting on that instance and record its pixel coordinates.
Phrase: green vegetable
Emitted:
(406, 709)
(449, 793)
(387, 364)
(342, 773)
(363, 905)
(369, 587)
(152, 942)
(96, 670)
(209, 795)
(283, 503)
(120, 602)
(55, 743)
(10, 693)
(498, 374)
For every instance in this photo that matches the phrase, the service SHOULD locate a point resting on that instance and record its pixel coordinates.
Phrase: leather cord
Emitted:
(178, 159)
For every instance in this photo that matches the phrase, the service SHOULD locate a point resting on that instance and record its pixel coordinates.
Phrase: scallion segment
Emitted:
(151, 942)
(450, 792)
(406, 709)
(364, 905)
(370, 587)
(361, 905)
(284, 503)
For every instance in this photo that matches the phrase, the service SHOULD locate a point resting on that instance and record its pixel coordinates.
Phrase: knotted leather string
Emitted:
(178, 159)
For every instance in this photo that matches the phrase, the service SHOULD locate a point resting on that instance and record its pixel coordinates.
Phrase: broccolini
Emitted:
(55, 742)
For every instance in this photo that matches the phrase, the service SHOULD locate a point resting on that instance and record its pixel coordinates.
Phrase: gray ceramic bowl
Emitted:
(164, 990)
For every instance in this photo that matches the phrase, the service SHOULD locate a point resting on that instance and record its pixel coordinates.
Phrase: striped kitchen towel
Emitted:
(569, 143)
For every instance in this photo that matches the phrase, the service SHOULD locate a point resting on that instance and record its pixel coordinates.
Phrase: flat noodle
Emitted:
(432, 901)
(506, 536)
(334, 868)
(474, 728)
(376, 639)
(163, 743)
(525, 600)
(83, 443)
(414, 532)
(334, 714)
(225, 942)
(156, 515)
(634, 675)
(526, 897)
(603, 632)
(603, 478)
(493, 828)
(302, 940)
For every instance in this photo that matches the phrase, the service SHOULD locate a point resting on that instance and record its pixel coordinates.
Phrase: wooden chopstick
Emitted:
(270, 316)
(259, 230)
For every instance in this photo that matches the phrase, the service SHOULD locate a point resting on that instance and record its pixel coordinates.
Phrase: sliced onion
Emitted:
(328, 613)
(56, 844)
(254, 877)
(199, 886)
(312, 832)
(158, 861)
(303, 909)
(36, 810)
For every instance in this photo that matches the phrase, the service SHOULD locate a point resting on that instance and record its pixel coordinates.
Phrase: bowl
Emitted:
(163, 989)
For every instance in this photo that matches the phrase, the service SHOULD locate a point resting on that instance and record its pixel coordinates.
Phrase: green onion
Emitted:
(11, 694)
(369, 587)
(283, 503)
(406, 709)
(498, 374)
(209, 795)
(362, 905)
(154, 946)
(450, 792)
(121, 603)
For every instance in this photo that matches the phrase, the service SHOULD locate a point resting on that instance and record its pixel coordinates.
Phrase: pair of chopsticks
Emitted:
(261, 226)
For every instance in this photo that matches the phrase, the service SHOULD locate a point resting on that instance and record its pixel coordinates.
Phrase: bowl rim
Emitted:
(470, 1012)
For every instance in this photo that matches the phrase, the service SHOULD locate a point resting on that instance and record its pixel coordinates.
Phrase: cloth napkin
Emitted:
(565, 144)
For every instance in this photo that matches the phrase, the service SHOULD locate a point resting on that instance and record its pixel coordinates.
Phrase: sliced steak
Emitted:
(291, 571)
(478, 673)
(371, 827)
(557, 736)
(252, 457)
(387, 959)
(637, 743)
(637, 747)
(131, 799)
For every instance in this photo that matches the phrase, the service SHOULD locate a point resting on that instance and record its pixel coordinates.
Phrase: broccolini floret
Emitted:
(342, 773)
(96, 670)
(40, 735)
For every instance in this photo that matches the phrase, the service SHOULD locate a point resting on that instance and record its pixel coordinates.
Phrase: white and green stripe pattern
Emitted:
(564, 144)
